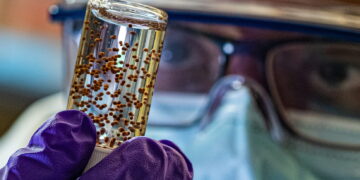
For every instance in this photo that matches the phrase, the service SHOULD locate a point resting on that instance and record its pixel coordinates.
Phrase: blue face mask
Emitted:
(176, 108)
(326, 163)
(216, 151)
(268, 159)
(235, 144)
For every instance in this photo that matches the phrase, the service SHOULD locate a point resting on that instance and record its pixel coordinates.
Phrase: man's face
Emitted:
(306, 73)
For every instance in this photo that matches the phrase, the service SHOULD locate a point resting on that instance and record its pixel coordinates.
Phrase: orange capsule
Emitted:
(106, 139)
(124, 133)
(114, 123)
(121, 129)
(106, 87)
(101, 54)
(132, 129)
(112, 142)
(102, 130)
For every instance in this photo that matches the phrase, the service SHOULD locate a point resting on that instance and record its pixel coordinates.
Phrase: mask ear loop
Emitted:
(236, 83)
(268, 110)
(216, 95)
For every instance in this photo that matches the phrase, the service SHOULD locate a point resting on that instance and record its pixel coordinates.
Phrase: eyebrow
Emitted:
(212, 35)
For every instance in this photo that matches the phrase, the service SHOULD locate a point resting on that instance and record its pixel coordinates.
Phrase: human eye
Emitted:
(336, 75)
(189, 62)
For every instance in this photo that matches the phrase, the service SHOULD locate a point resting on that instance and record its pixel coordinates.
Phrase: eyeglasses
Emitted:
(313, 81)
(317, 89)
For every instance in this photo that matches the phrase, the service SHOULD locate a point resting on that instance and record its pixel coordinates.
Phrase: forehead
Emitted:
(312, 3)
(339, 18)
(238, 33)
(302, 3)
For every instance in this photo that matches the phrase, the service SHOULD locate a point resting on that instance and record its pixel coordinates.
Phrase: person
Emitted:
(268, 91)
(62, 146)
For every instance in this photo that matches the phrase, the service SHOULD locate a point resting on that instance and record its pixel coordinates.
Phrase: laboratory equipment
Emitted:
(116, 66)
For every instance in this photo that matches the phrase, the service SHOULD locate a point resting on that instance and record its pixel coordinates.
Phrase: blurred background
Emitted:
(30, 56)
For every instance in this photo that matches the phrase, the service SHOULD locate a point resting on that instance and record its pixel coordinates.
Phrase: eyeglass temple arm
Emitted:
(235, 83)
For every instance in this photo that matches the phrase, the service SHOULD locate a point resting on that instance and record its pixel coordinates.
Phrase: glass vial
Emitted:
(116, 67)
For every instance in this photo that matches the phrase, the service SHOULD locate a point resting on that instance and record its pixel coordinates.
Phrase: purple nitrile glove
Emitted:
(62, 146)
(143, 158)
(59, 149)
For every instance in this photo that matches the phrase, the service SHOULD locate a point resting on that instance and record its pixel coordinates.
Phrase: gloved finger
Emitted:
(59, 149)
(174, 146)
(142, 158)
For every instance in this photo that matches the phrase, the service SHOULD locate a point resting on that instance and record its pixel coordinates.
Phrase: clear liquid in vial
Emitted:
(115, 71)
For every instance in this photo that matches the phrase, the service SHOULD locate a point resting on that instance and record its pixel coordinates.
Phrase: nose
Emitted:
(246, 65)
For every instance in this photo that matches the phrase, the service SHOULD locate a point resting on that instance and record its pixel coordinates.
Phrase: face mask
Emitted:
(326, 127)
(176, 108)
(234, 144)
(325, 162)
(217, 151)
(269, 160)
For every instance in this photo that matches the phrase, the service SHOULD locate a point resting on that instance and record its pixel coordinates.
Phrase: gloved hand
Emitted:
(62, 146)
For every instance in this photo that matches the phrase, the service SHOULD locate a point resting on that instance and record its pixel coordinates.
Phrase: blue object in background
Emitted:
(30, 63)
(31, 68)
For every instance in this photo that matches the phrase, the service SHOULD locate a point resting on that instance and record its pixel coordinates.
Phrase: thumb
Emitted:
(59, 149)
